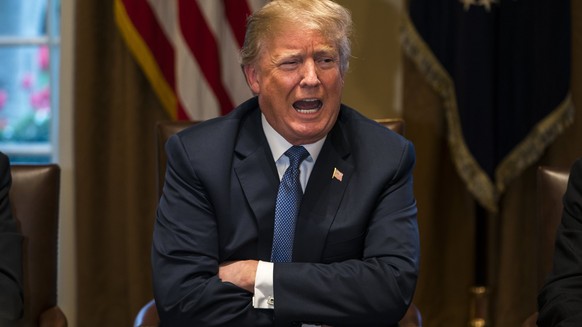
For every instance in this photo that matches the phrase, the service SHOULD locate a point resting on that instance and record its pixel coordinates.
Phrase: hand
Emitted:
(240, 273)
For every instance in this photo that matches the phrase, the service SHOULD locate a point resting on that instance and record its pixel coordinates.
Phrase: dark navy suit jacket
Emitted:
(11, 301)
(356, 247)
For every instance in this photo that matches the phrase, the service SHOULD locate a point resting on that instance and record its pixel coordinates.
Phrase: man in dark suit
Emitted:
(10, 253)
(560, 299)
(354, 253)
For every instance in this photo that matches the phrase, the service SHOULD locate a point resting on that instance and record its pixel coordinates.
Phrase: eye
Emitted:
(327, 62)
(289, 64)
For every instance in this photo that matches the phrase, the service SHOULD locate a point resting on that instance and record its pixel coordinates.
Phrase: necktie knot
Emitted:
(296, 155)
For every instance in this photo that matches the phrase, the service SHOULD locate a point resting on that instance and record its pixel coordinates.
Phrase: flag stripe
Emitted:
(191, 19)
(237, 13)
(138, 25)
(165, 13)
(232, 76)
(161, 49)
(189, 51)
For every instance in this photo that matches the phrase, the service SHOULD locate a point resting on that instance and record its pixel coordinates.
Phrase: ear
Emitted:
(251, 76)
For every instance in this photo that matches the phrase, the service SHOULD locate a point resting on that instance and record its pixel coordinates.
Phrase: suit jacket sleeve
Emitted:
(560, 299)
(10, 252)
(368, 287)
(186, 255)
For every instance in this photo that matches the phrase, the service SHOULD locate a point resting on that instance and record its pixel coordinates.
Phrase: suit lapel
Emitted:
(322, 198)
(257, 175)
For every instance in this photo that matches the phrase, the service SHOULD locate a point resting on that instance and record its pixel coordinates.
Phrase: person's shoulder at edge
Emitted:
(4, 162)
(11, 299)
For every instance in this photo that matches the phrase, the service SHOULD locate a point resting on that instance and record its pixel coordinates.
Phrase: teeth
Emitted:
(303, 111)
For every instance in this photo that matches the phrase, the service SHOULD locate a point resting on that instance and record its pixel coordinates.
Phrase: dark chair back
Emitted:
(34, 198)
(550, 189)
(551, 186)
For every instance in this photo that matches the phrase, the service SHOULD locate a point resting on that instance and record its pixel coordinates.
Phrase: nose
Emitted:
(309, 76)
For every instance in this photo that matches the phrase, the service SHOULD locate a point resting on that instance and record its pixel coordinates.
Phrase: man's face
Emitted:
(299, 84)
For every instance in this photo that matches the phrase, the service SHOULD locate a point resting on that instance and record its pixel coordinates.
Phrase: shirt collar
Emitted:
(279, 145)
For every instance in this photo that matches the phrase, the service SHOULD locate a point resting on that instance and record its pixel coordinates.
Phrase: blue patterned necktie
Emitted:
(287, 206)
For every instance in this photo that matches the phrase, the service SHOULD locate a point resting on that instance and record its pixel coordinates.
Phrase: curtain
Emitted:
(115, 115)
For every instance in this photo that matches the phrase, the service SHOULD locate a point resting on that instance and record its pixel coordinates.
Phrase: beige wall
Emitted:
(374, 80)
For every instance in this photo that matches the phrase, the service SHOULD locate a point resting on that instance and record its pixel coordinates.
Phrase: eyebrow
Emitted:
(294, 53)
(327, 52)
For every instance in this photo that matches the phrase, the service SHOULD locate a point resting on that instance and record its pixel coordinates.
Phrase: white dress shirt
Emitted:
(264, 297)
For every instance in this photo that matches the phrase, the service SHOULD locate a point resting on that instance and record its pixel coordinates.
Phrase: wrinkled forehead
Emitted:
(288, 29)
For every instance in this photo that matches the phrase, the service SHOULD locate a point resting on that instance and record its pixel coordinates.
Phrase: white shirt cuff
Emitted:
(264, 297)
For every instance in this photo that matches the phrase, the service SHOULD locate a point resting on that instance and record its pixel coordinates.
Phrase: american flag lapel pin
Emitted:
(337, 174)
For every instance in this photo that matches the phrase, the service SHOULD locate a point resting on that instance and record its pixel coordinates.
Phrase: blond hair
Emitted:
(325, 16)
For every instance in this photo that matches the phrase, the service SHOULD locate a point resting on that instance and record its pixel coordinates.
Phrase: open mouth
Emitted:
(307, 106)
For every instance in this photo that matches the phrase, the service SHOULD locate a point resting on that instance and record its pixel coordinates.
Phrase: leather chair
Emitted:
(148, 315)
(34, 198)
(550, 189)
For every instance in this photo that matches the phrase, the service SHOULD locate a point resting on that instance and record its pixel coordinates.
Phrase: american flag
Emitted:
(337, 175)
(188, 49)
(502, 69)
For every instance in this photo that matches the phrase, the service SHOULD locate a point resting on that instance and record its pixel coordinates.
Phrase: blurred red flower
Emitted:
(3, 98)
(43, 57)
